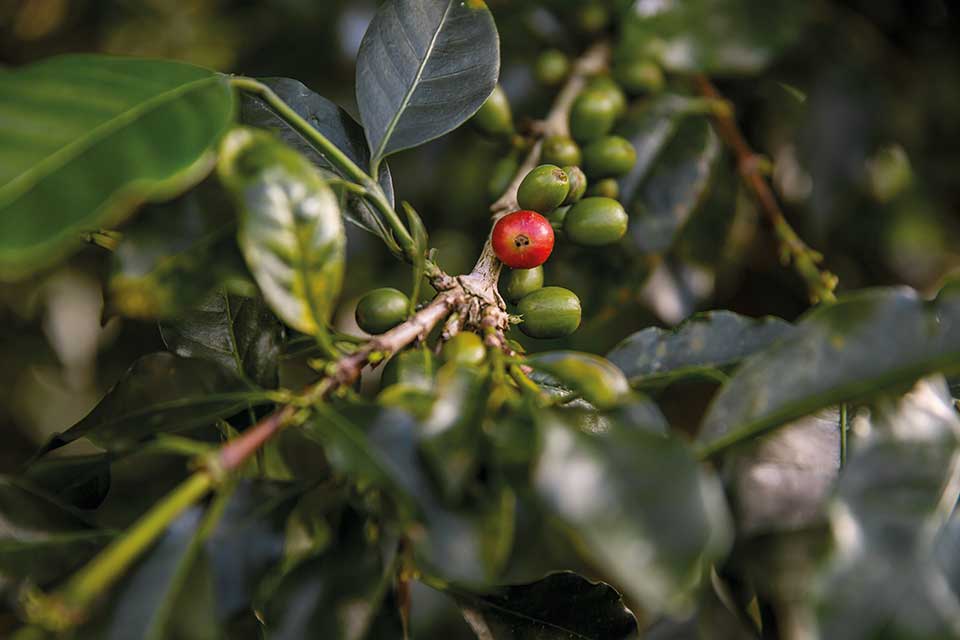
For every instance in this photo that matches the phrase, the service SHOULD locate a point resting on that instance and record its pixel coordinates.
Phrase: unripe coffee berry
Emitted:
(550, 312)
(606, 188)
(522, 239)
(608, 157)
(464, 348)
(552, 67)
(578, 184)
(639, 76)
(543, 189)
(381, 310)
(608, 86)
(592, 17)
(501, 176)
(560, 150)
(592, 115)
(522, 282)
(557, 216)
(494, 117)
(595, 222)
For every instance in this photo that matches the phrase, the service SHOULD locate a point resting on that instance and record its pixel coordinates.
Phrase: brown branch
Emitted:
(806, 261)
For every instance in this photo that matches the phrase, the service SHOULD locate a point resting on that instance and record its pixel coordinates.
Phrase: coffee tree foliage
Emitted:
(685, 464)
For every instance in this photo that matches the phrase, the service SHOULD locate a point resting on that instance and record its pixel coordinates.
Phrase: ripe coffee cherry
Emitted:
(494, 117)
(592, 115)
(543, 189)
(594, 222)
(464, 348)
(606, 188)
(608, 86)
(522, 282)
(522, 239)
(560, 150)
(639, 77)
(578, 184)
(551, 312)
(608, 157)
(381, 310)
(552, 67)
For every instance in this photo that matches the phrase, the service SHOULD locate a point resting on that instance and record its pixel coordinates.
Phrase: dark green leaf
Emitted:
(640, 505)
(675, 186)
(161, 393)
(706, 344)
(290, 232)
(561, 606)
(710, 36)
(868, 342)
(85, 139)
(80, 481)
(238, 333)
(424, 67)
(594, 378)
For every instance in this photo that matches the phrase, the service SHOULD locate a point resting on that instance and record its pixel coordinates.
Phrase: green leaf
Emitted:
(561, 606)
(290, 232)
(175, 254)
(236, 332)
(161, 393)
(675, 186)
(424, 67)
(85, 139)
(41, 539)
(421, 244)
(710, 36)
(705, 345)
(641, 508)
(595, 379)
(868, 342)
(894, 498)
(80, 481)
(335, 124)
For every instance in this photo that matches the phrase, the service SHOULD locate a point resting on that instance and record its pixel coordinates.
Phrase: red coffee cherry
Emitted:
(523, 239)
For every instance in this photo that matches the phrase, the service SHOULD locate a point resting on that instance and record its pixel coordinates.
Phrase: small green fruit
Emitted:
(592, 115)
(594, 222)
(557, 216)
(503, 171)
(552, 67)
(522, 282)
(464, 348)
(381, 310)
(543, 189)
(609, 157)
(494, 117)
(412, 367)
(592, 17)
(560, 150)
(607, 85)
(578, 184)
(551, 312)
(606, 188)
(639, 77)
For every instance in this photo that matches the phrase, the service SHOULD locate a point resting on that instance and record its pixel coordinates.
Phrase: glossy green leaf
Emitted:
(161, 393)
(561, 606)
(594, 378)
(894, 498)
(639, 505)
(675, 186)
(710, 36)
(79, 481)
(290, 232)
(241, 334)
(85, 139)
(707, 344)
(424, 67)
(868, 342)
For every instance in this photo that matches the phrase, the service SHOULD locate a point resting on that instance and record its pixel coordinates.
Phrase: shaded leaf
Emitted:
(640, 505)
(596, 379)
(561, 606)
(424, 67)
(290, 232)
(85, 139)
(868, 342)
(80, 481)
(239, 333)
(704, 345)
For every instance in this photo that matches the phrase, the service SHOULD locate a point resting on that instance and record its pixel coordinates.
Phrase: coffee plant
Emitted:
(271, 467)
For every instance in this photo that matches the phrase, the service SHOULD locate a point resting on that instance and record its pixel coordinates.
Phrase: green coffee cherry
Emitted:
(412, 367)
(381, 310)
(552, 67)
(639, 77)
(608, 157)
(560, 150)
(464, 348)
(606, 188)
(543, 189)
(608, 86)
(522, 282)
(578, 184)
(494, 117)
(551, 312)
(592, 17)
(503, 171)
(592, 115)
(557, 216)
(594, 222)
